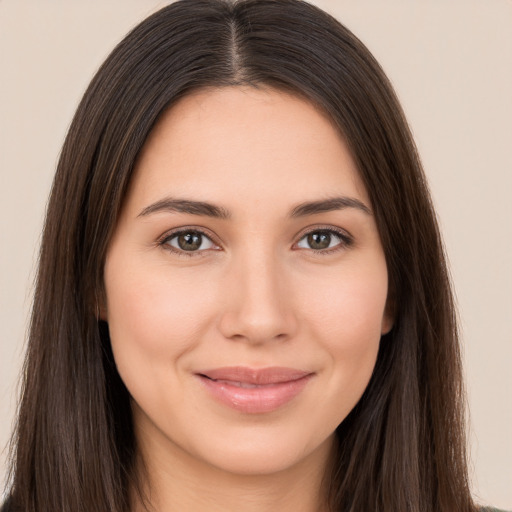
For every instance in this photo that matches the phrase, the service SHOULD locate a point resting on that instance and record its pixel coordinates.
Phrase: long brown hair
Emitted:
(402, 448)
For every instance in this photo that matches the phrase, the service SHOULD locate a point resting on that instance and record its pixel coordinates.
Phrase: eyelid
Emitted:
(168, 235)
(346, 238)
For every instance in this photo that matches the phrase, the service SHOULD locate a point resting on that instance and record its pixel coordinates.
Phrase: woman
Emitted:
(246, 304)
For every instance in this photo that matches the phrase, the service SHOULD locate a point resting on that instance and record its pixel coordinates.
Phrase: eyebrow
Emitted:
(329, 205)
(186, 206)
(210, 210)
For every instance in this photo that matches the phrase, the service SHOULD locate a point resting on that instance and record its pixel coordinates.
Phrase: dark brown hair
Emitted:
(402, 448)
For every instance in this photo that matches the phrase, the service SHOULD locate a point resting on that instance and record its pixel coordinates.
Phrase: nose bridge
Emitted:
(258, 308)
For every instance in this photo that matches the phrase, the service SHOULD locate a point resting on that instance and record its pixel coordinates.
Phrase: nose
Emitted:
(258, 306)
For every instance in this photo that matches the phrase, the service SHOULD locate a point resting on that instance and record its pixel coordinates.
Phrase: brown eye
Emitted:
(319, 240)
(322, 239)
(189, 241)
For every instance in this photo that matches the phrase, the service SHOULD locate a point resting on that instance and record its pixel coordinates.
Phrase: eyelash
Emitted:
(345, 241)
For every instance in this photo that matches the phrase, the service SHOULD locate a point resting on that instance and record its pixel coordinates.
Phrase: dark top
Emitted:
(7, 507)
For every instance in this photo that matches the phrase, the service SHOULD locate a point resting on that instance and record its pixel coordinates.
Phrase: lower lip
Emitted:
(257, 400)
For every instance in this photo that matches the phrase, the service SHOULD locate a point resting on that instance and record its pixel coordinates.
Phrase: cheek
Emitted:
(352, 305)
(153, 320)
(347, 320)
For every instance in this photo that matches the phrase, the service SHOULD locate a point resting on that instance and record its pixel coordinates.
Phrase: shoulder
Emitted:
(486, 509)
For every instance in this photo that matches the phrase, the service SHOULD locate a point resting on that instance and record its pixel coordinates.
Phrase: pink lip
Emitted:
(254, 391)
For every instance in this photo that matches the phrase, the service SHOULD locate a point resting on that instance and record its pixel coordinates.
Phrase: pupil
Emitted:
(319, 240)
(189, 241)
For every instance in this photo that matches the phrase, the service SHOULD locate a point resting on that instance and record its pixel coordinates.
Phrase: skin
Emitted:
(255, 293)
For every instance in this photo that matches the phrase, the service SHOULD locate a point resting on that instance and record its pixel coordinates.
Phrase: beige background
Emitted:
(451, 63)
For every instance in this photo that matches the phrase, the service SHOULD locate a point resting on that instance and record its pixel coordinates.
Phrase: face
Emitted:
(245, 283)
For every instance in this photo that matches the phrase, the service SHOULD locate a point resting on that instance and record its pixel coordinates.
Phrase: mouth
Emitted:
(254, 391)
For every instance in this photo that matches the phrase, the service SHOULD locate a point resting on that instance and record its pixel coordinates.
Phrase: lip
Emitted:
(254, 391)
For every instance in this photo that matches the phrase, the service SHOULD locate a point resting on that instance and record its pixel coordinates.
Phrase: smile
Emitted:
(254, 391)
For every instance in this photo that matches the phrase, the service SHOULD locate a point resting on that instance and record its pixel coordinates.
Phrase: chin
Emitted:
(257, 453)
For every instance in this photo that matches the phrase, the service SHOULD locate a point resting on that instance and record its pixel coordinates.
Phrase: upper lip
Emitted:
(258, 376)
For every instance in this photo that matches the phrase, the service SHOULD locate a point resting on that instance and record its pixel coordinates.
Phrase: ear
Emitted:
(101, 306)
(102, 313)
(388, 318)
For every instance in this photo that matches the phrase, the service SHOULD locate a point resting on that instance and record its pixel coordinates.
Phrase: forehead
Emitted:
(247, 144)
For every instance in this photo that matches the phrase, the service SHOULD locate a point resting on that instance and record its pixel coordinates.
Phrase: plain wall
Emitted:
(451, 64)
